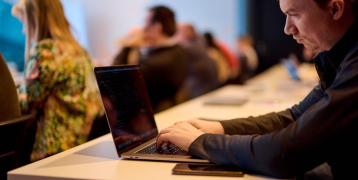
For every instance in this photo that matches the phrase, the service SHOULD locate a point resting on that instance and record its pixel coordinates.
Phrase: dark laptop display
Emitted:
(127, 106)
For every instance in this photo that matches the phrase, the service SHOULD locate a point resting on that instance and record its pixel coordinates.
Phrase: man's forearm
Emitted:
(258, 125)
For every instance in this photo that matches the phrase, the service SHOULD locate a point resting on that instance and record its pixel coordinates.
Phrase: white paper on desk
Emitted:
(226, 101)
(274, 104)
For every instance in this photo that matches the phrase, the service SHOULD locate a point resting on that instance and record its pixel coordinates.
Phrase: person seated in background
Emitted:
(202, 77)
(248, 57)
(59, 87)
(233, 60)
(186, 35)
(218, 57)
(321, 128)
(163, 62)
(9, 102)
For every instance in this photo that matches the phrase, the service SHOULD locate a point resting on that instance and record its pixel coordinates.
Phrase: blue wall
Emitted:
(217, 16)
(241, 17)
(12, 41)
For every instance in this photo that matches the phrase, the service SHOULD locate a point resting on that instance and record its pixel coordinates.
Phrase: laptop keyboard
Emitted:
(152, 149)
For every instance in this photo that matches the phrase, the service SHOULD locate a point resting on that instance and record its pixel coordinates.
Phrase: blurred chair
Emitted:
(17, 137)
(99, 128)
(9, 102)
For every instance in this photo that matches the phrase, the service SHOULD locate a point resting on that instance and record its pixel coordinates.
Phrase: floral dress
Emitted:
(60, 91)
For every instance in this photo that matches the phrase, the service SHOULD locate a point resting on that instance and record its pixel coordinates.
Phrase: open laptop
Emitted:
(130, 115)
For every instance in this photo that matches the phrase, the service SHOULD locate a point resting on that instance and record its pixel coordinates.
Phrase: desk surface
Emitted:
(97, 159)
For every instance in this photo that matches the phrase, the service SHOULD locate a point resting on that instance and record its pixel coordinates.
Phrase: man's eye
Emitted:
(293, 15)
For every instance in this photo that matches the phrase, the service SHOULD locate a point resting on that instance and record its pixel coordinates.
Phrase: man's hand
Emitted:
(181, 134)
(213, 127)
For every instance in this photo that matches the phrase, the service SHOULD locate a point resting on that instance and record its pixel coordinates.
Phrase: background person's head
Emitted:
(210, 41)
(244, 42)
(45, 19)
(185, 32)
(318, 24)
(159, 24)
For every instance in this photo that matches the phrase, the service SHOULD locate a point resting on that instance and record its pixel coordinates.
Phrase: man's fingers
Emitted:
(168, 143)
(161, 138)
(190, 121)
(179, 122)
(194, 122)
(166, 130)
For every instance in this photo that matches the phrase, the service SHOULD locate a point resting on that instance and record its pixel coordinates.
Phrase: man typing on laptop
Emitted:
(323, 127)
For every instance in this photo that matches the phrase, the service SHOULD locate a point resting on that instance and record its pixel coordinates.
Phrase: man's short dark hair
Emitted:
(165, 17)
(323, 3)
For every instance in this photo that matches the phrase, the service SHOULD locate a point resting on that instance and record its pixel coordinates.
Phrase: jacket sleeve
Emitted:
(320, 132)
(273, 121)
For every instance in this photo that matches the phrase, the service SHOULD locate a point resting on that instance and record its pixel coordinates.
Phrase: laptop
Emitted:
(130, 116)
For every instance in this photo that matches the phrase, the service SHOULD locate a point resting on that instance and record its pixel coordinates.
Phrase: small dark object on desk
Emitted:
(207, 170)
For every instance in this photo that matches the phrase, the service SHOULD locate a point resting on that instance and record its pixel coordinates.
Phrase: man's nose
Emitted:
(290, 27)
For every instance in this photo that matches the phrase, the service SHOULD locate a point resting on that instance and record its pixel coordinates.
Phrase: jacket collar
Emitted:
(327, 62)
(339, 51)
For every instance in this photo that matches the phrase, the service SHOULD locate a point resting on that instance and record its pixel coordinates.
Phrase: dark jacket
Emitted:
(9, 102)
(164, 70)
(323, 127)
(202, 77)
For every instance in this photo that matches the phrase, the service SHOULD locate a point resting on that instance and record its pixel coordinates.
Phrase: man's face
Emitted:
(151, 32)
(307, 23)
(147, 23)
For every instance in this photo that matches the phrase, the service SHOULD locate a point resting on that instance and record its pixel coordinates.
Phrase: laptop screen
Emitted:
(127, 105)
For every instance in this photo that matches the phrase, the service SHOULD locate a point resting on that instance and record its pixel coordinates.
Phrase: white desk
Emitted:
(97, 159)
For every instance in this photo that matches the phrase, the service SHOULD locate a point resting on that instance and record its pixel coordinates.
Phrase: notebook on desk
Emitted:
(130, 115)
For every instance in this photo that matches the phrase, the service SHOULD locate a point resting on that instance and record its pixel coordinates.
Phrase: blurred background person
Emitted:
(186, 34)
(9, 106)
(248, 57)
(58, 85)
(163, 62)
(202, 77)
(233, 60)
(222, 64)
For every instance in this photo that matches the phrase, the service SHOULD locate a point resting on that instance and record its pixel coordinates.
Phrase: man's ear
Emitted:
(337, 7)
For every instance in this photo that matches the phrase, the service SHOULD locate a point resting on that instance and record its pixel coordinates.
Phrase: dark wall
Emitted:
(266, 24)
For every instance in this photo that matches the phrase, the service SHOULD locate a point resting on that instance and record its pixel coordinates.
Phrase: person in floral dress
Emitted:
(59, 87)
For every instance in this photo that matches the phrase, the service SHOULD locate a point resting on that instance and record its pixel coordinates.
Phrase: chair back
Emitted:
(99, 128)
(17, 138)
(9, 102)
